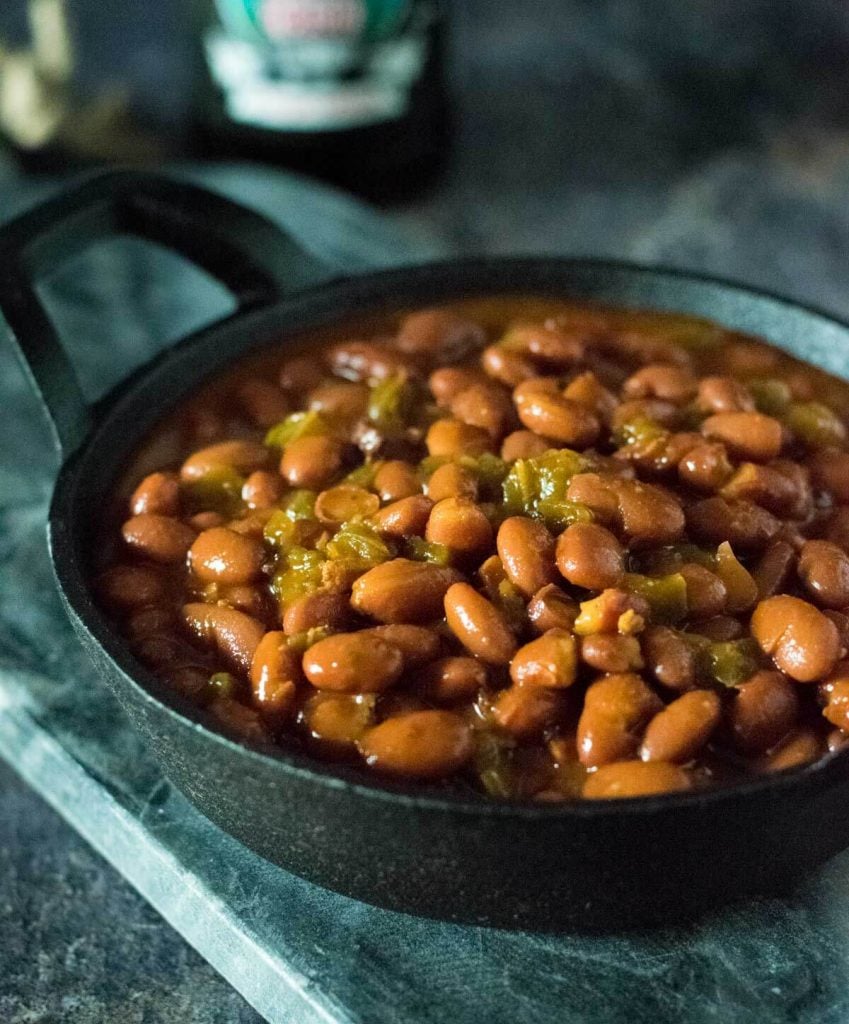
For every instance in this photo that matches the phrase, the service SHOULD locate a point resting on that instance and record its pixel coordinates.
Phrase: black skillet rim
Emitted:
(376, 288)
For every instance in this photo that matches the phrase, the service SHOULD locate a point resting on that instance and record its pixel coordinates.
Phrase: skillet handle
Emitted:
(245, 252)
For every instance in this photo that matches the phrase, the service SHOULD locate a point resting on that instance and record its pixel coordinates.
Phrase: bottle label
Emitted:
(317, 65)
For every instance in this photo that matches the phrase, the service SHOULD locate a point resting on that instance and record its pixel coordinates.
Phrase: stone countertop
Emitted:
(705, 135)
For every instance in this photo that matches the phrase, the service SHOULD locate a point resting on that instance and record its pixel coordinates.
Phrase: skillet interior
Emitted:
(194, 755)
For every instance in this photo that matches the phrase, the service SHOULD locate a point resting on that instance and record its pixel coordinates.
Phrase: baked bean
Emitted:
(245, 722)
(649, 514)
(262, 489)
(252, 600)
(801, 747)
(612, 653)
(343, 502)
(774, 569)
(750, 435)
(526, 550)
(802, 642)
(338, 720)
(706, 592)
(263, 402)
(705, 467)
(487, 406)
(745, 526)
(479, 625)
(598, 493)
(459, 524)
(616, 708)
(301, 374)
(841, 624)
(353, 663)
(451, 680)
(721, 628)
(560, 419)
(128, 587)
(311, 462)
(152, 621)
(439, 334)
(653, 410)
(763, 711)
(613, 610)
(511, 368)
(635, 778)
(421, 745)
(234, 635)
(274, 672)
(241, 456)
(417, 644)
(549, 661)
(452, 481)
(680, 731)
(658, 380)
(344, 400)
(326, 607)
(551, 608)
(670, 658)
(454, 438)
(405, 518)
(741, 590)
(837, 528)
(836, 740)
(403, 591)
(546, 342)
(206, 521)
(523, 444)
(724, 394)
(835, 693)
(768, 487)
(363, 361)
(158, 493)
(824, 572)
(222, 556)
(526, 712)
(448, 381)
(590, 556)
(587, 390)
(160, 538)
(830, 472)
(395, 480)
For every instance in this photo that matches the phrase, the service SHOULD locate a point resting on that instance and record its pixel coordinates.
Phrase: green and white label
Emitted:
(309, 65)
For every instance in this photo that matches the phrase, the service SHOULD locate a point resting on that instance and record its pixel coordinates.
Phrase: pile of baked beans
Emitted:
(541, 550)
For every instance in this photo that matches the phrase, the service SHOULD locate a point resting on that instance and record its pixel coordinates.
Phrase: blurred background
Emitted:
(706, 134)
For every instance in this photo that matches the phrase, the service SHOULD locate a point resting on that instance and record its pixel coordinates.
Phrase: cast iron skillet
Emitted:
(456, 857)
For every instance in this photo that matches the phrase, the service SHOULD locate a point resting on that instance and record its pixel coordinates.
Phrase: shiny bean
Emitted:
(649, 514)
(749, 435)
(658, 380)
(523, 444)
(460, 525)
(452, 481)
(706, 592)
(545, 342)
(724, 394)
(802, 642)
(405, 518)
(274, 672)
(526, 550)
(417, 644)
(590, 556)
(824, 572)
(616, 708)
(262, 402)
(769, 487)
(220, 555)
(680, 731)
(448, 381)
(403, 591)
(635, 778)
(479, 625)
(526, 712)
(763, 711)
(311, 462)
(321, 608)
(453, 438)
(745, 526)
(262, 489)
(353, 663)
(487, 406)
(511, 368)
(344, 400)
(158, 493)
(551, 608)
(670, 658)
(338, 720)
(129, 587)
(363, 361)
(439, 334)
(161, 538)
(241, 456)
(607, 652)
(801, 747)
(560, 419)
(395, 480)
(550, 661)
(830, 472)
(587, 390)
(451, 680)
(234, 635)
(705, 467)
(835, 693)
(421, 745)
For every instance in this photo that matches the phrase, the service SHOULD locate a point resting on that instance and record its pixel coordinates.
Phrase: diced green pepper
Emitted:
(297, 425)
(666, 595)
(420, 550)
(300, 574)
(282, 530)
(733, 662)
(300, 642)
(219, 490)
(815, 424)
(363, 476)
(391, 403)
(536, 486)
(488, 469)
(358, 546)
(224, 684)
(771, 395)
(493, 764)
(640, 431)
